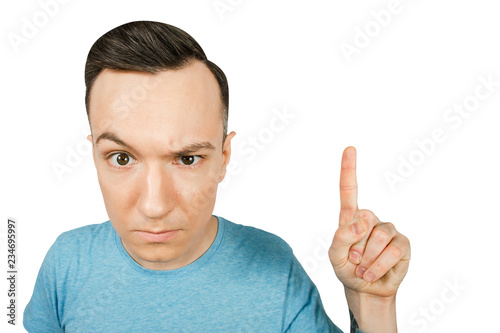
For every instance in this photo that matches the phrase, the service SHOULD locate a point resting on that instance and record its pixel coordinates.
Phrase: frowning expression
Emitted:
(159, 155)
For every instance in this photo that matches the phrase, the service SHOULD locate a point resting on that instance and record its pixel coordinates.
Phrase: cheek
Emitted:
(117, 193)
(199, 193)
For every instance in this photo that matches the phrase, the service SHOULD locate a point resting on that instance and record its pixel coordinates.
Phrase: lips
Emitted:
(156, 236)
(156, 232)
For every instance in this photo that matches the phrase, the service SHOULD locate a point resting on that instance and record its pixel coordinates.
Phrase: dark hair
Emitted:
(150, 47)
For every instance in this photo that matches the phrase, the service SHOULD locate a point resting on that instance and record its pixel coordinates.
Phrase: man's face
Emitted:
(157, 147)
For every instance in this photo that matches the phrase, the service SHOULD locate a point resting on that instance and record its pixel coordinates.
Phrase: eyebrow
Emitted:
(186, 150)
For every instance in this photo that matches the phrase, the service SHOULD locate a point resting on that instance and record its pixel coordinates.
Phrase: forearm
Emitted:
(371, 313)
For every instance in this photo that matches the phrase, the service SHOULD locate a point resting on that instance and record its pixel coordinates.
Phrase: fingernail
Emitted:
(369, 277)
(361, 271)
(357, 227)
(354, 257)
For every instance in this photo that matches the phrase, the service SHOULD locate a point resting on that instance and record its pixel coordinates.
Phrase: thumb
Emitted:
(346, 236)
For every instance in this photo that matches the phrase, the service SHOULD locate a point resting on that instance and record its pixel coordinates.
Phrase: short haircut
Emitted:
(149, 47)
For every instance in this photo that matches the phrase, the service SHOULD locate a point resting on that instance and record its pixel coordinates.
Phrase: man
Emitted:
(158, 114)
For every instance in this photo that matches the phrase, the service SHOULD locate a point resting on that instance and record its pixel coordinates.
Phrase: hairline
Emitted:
(187, 63)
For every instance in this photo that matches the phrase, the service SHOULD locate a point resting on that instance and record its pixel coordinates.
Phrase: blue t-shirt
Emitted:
(247, 281)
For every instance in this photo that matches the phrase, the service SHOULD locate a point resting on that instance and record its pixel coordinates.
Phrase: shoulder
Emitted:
(85, 233)
(257, 243)
(80, 239)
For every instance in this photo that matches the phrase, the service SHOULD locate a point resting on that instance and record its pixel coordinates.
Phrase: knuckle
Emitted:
(348, 187)
(366, 261)
(380, 236)
(395, 251)
(366, 213)
(340, 235)
(390, 226)
(377, 269)
(406, 240)
(360, 250)
(406, 245)
(369, 216)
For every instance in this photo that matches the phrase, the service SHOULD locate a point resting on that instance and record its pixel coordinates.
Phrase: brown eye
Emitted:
(189, 159)
(122, 159)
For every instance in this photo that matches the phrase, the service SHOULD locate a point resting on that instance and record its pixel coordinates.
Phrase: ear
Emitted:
(226, 155)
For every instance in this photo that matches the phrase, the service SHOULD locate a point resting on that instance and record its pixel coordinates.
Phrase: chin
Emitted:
(158, 254)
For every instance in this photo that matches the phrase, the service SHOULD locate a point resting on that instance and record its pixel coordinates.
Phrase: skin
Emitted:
(160, 187)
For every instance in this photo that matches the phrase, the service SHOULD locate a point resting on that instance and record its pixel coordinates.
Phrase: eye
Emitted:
(120, 159)
(189, 159)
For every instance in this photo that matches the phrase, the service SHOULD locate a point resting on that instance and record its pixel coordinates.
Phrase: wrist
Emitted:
(372, 313)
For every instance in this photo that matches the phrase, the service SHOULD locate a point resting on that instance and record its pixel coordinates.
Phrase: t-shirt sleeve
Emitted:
(304, 311)
(41, 313)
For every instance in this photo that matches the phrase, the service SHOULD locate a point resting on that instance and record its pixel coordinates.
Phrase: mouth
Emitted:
(156, 236)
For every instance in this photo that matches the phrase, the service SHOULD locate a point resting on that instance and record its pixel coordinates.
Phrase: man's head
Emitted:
(158, 114)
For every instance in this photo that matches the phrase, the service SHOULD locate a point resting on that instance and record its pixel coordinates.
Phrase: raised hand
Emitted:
(368, 256)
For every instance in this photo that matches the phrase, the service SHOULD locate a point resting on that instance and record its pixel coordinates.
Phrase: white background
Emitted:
(281, 55)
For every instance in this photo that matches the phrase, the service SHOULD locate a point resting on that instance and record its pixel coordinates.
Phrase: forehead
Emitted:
(170, 106)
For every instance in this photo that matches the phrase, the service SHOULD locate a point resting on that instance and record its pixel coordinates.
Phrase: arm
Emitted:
(304, 311)
(41, 313)
(371, 314)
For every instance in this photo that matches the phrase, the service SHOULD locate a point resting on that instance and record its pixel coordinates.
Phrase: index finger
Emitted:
(348, 186)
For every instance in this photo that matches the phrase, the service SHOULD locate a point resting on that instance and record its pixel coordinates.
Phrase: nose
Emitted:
(157, 192)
